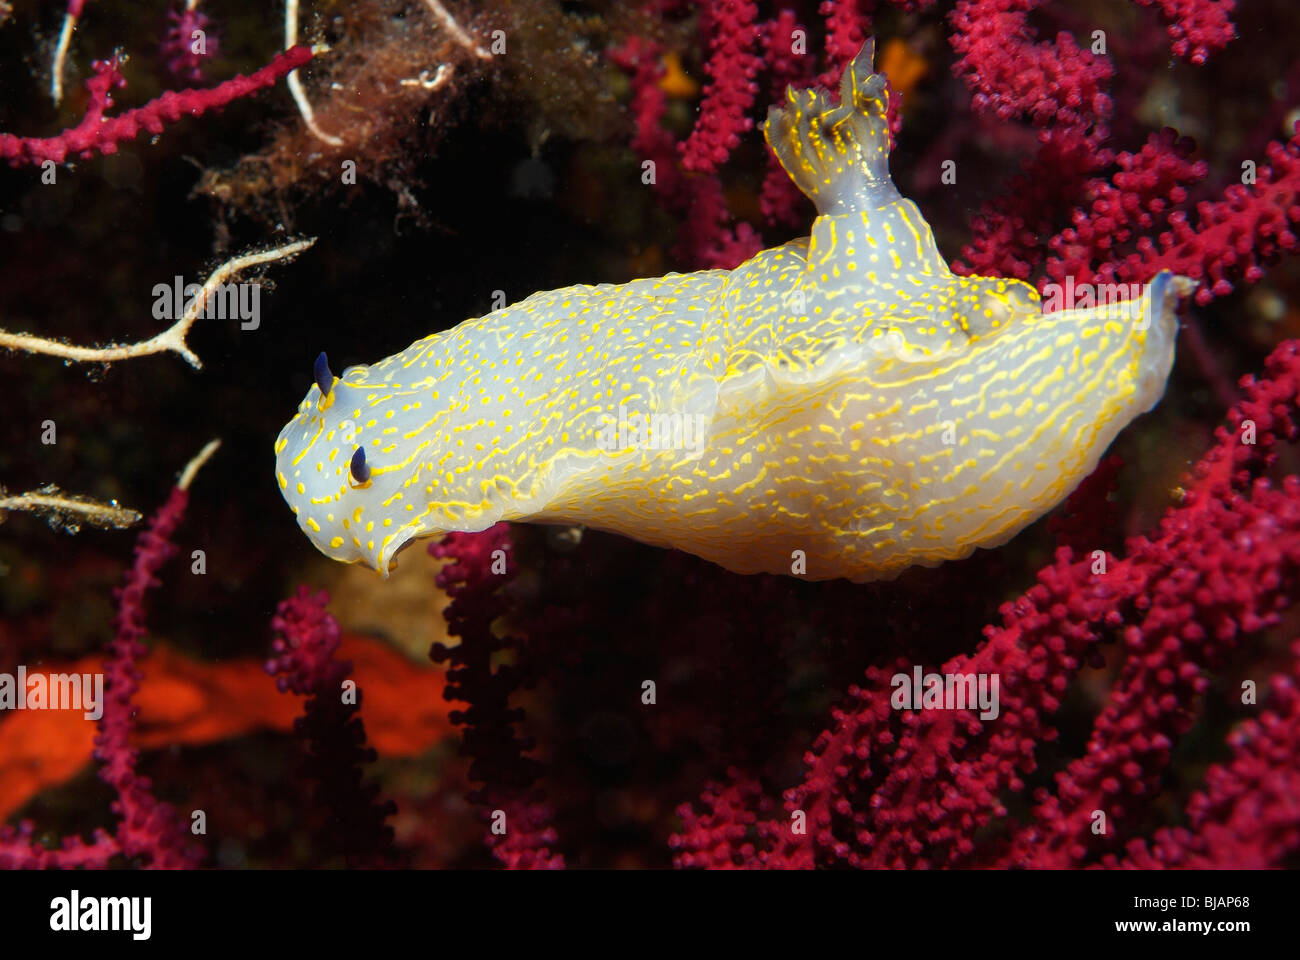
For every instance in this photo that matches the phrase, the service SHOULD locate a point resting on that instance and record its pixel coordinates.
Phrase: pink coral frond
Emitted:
(98, 133)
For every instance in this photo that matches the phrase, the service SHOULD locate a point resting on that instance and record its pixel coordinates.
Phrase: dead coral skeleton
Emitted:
(295, 82)
(173, 338)
(69, 511)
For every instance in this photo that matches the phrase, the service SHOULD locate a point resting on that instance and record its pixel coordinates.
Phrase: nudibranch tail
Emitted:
(839, 406)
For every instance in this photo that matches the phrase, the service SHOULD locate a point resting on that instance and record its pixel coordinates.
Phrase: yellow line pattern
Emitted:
(843, 395)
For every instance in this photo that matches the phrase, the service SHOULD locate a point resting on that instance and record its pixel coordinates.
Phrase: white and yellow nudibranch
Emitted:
(844, 395)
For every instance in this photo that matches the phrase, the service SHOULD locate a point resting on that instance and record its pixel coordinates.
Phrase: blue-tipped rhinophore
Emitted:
(360, 469)
(324, 378)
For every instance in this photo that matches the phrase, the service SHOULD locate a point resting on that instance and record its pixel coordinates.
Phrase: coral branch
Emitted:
(148, 828)
(706, 238)
(295, 83)
(1233, 237)
(1140, 199)
(97, 133)
(1007, 232)
(1196, 27)
(732, 66)
(303, 661)
(501, 764)
(780, 201)
(189, 41)
(70, 18)
(194, 466)
(1012, 75)
(65, 511)
(173, 338)
(1248, 815)
(149, 832)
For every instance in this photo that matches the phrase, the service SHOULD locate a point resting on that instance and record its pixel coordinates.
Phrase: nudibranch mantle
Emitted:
(844, 395)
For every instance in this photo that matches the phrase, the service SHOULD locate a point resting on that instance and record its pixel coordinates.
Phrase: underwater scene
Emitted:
(668, 434)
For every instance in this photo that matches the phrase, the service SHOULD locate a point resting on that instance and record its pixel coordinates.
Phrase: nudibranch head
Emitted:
(332, 468)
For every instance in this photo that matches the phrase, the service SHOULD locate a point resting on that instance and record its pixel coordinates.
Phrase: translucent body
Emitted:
(842, 402)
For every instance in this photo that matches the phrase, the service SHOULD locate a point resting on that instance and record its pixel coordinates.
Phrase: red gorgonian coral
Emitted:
(97, 133)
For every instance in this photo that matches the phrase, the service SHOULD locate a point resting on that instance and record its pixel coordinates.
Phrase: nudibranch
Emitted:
(842, 405)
